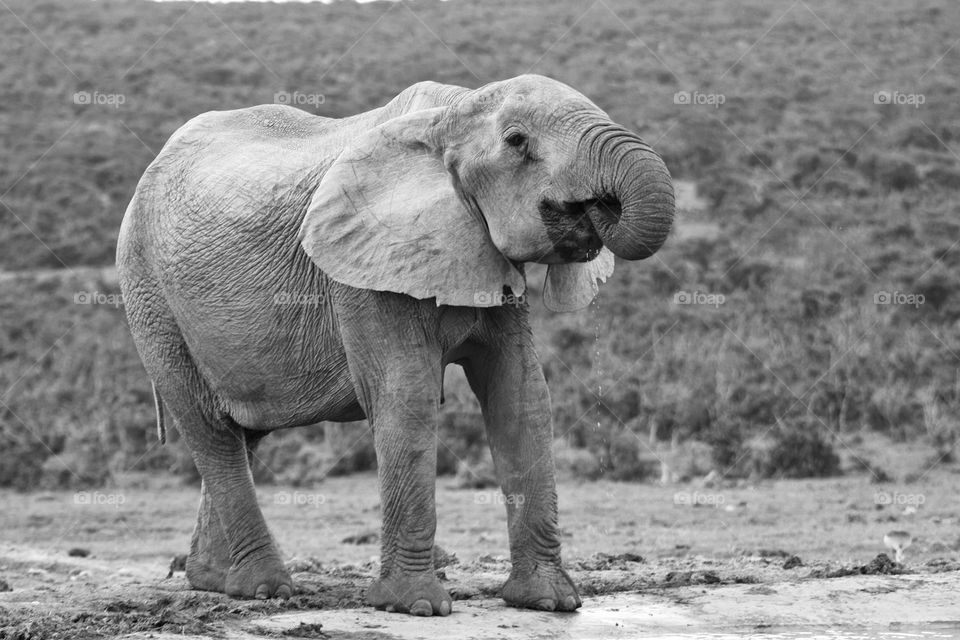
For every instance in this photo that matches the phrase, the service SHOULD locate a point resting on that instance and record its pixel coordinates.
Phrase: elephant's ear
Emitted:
(386, 216)
(573, 286)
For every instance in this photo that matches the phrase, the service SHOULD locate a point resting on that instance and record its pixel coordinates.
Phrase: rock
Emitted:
(686, 578)
(490, 559)
(605, 561)
(304, 565)
(178, 563)
(761, 590)
(772, 553)
(5, 586)
(793, 562)
(370, 537)
(441, 558)
(881, 565)
(462, 591)
(78, 552)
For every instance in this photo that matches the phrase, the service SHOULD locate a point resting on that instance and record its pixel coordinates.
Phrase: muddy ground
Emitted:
(740, 555)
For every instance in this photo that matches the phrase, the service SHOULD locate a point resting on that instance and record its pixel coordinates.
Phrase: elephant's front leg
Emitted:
(396, 369)
(508, 381)
(404, 430)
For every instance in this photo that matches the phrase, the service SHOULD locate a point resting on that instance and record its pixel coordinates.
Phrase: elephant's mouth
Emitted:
(571, 233)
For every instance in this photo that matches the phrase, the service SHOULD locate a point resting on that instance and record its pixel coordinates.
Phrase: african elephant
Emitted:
(280, 269)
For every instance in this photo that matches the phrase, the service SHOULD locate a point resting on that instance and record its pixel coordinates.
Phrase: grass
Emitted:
(826, 191)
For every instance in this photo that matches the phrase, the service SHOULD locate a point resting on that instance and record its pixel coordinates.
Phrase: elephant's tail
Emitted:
(158, 404)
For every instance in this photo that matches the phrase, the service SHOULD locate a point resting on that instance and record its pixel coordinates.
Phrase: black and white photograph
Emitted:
(479, 319)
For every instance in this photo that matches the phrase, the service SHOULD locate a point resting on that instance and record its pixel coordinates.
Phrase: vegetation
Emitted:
(823, 266)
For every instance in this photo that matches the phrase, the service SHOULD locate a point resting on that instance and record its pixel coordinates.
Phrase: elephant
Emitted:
(279, 269)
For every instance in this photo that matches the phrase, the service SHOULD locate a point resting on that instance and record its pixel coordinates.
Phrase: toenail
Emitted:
(546, 604)
(422, 608)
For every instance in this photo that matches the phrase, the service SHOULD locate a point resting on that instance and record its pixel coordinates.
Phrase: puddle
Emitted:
(850, 608)
(617, 616)
(922, 606)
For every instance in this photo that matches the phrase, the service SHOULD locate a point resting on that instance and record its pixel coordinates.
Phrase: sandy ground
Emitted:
(683, 558)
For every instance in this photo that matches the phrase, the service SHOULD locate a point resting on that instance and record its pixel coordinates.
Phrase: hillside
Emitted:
(823, 138)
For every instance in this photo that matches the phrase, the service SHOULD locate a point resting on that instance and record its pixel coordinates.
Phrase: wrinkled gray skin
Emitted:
(387, 225)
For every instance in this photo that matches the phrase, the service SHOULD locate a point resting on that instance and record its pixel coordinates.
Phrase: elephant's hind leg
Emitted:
(209, 561)
(232, 550)
(231, 542)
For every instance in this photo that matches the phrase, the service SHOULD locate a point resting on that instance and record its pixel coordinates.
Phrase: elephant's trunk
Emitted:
(634, 214)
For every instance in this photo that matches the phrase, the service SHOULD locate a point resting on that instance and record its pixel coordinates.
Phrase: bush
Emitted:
(942, 176)
(22, 464)
(574, 462)
(623, 459)
(796, 452)
(81, 464)
(727, 447)
(462, 440)
(350, 446)
(892, 170)
(916, 134)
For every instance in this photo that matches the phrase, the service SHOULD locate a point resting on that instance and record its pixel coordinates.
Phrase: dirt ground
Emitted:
(98, 564)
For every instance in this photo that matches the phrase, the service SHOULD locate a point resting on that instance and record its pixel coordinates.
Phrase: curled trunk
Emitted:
(635, 211)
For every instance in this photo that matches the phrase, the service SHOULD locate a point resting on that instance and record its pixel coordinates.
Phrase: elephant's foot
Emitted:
(416, 595)
(209, 558)
(261, 579)
(207, 572)
(545, 587)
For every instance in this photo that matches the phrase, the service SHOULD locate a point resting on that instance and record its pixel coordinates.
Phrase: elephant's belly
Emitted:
(289, 399)
(274, 377)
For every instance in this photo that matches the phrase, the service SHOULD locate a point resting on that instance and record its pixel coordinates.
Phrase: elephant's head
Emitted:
(450, 196)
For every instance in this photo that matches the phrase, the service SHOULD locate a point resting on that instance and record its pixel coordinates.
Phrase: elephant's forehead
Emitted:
(538, 90)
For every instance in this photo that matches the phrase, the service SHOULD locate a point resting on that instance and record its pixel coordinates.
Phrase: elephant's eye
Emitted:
(516, 139)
